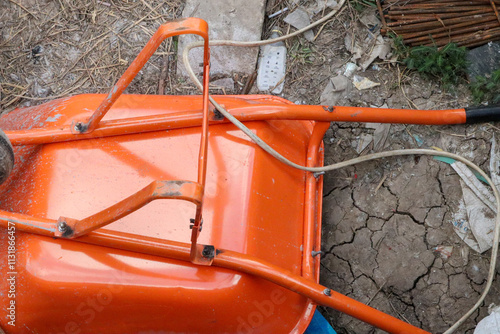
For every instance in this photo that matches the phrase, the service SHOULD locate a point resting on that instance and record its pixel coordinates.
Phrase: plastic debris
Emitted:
(450, 161)
(272, 67)
(320, 5)
(480, 190)
(494, 163)
(370, 20)
(490, 324)
(316, 6)
(299, 19)
(474, 222)
(335, 88)
(378, 138)
(444, 251)
(418, 139)
(340, 83)
(319, 325)
(281, 11)
(362, 83)
(363, 142)
(380, 135)
(350, 68)
(381, 50)
(462, 228)
(353, 47)
(370, 45)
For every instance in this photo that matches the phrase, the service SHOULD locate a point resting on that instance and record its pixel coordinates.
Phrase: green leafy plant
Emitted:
(447, 64)
(301, 53)
(400, 48)
(486, 89)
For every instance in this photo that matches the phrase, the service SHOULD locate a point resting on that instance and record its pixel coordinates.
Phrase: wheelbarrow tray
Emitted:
(253, 204)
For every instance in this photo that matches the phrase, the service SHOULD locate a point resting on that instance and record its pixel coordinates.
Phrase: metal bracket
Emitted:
(192, 223)
(174, 28)
(184, 190)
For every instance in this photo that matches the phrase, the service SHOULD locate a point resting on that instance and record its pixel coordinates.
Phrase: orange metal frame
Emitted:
(89, 230)
(184, 190)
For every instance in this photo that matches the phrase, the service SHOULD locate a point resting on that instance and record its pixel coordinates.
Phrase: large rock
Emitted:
(239, 20)
(483, 60)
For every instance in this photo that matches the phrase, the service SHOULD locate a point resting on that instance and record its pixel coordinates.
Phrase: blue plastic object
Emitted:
(319, 325)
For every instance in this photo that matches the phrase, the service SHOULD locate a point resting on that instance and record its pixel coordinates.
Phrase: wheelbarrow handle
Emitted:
(482, 114)
(174, 28)
(184, 26)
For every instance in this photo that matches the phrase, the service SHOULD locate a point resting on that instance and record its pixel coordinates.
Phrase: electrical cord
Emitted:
(275, 154)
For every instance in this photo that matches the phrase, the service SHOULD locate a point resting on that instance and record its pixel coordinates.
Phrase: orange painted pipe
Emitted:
(311, 196)
(183, 26)
(246, 112)
(178, 27)
(225, 259)
(318, 293)
(181, 190)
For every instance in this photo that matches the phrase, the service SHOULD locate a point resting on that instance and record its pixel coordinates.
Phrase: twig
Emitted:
(24, 8)
(399, 314)
(12, 85)
(7, 41)
(79, 58)
(62, 6)
(249, 84)
(324, 24)
(97, 68)
(495, 10)
(381, 13)
(380, 185)
(279, 83)
(17, 98)
(376, 293)
(164, 69)
(151, 8)
(141, 19)
(403, 91)
(452, 134)
(63, 94)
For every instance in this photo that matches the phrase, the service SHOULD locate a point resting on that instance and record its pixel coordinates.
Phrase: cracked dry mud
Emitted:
(381, 221)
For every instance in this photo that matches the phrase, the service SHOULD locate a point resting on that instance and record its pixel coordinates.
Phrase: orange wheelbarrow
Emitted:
(117, 219)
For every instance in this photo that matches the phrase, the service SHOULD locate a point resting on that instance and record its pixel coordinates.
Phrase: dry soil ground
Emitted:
(381, 220)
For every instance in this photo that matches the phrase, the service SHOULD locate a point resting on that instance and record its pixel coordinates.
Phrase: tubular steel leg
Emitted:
(224, 259)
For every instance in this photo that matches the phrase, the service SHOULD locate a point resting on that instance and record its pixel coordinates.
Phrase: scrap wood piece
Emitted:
(437, 23)
(495, 10)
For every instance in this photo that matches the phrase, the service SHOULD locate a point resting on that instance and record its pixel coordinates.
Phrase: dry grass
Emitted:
(51, 49)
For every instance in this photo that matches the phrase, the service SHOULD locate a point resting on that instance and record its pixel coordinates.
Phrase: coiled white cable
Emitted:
(275, 154)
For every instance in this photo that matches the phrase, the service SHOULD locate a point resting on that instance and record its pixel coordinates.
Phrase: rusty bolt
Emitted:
(318, 174)
(62, 227)
(315, 253)
(79, 127)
